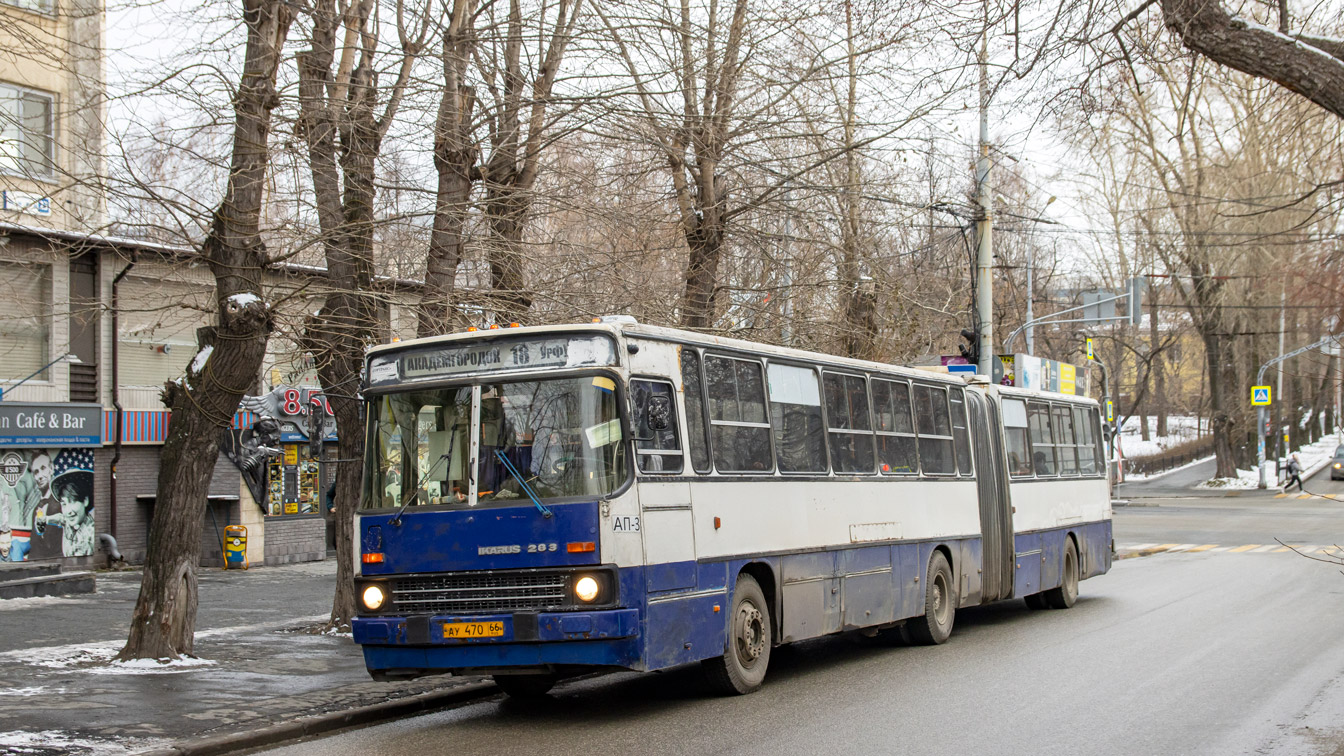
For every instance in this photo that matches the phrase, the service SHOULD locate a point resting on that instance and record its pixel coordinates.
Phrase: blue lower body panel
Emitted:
(1040, 555)
(620, 652)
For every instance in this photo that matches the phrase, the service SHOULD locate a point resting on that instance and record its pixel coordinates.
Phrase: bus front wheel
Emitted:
(940, 605)
(741, 669)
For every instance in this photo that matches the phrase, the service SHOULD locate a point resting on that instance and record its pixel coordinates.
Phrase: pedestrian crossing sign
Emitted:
(1259, 396)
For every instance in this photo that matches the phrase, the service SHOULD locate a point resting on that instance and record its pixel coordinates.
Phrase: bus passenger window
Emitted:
(695, 410)
(795, 414)
(1064, 440)
(961, 435)
(896, 444)
(740, 432)
(1085, 425)
(1015, 434)
(656, 450)
(935, 431)
(850, 425)
(1042, 440)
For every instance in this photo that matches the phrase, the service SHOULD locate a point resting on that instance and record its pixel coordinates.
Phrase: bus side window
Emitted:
(1084, 420)
(1015, 435)
(795, 413)
(896, 444)
(850, 425)
(738, 422)
(695, 409)
(1042, 440)
(961, 435)
(935, 430)
(657, 450)
(1065, 448)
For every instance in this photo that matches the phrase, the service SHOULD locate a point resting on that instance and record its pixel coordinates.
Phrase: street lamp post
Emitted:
(69, 357)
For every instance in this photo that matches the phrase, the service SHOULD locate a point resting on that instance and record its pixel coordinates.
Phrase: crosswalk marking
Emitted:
(1144, 549)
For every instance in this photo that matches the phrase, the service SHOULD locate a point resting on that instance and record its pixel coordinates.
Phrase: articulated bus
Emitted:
(544, 501)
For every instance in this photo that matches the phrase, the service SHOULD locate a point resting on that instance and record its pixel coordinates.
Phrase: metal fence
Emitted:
(1171, 458)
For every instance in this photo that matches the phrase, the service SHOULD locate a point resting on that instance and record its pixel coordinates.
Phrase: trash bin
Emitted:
(235, 547)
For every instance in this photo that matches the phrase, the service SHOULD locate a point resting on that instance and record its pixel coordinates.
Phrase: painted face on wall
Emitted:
(41, 469)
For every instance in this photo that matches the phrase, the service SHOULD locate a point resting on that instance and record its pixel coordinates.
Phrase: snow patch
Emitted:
(40, 690)
(55, 741)
(202, 357)
(152, 666)
(244, 299)
(33, 602)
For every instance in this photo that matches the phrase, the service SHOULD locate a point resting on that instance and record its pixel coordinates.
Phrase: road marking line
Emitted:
(1182, 547)
(1139, 547)
(1247, 547)
(1221, 548)
(1305, 496)
(1283, 549)
(1164, 546)
(1263, 549)
(1205, 547)
(1280, 495)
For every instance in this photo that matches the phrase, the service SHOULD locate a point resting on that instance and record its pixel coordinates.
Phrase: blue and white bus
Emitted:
(547, 500)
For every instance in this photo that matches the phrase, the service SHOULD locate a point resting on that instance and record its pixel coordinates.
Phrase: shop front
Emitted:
(46, 480)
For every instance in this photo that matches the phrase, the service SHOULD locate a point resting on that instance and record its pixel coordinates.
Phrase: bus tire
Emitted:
(526, 686)
(741, 669)
(1036, 601)
(940, 605)
(1066, 594)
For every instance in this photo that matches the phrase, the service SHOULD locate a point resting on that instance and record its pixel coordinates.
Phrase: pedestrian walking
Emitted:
(1294, 473)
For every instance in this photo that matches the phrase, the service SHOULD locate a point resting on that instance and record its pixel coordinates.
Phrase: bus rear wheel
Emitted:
(940, 605)
(1066, 594)
(741, 669)
(526, 686)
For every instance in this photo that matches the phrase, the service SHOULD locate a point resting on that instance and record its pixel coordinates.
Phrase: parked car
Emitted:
(1337, 464)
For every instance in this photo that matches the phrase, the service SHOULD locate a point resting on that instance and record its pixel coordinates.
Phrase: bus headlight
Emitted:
(373, 597)
(586, 589)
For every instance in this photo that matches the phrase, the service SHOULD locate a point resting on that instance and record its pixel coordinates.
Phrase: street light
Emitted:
(69, 357)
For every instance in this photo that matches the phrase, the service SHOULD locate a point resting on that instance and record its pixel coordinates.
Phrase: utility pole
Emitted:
(984, 260)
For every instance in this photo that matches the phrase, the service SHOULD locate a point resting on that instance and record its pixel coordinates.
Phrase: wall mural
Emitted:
(272, 452)
(46, 504)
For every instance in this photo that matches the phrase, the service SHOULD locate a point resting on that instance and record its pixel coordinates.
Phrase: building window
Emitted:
(27, 132)
(37, 6)
(25, 326)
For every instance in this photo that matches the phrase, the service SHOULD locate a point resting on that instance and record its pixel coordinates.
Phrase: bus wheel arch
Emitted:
(764, 576)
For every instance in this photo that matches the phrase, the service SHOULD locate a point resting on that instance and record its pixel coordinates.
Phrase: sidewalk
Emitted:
(263, 671)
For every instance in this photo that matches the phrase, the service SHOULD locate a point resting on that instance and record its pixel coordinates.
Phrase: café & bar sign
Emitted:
(30, 424)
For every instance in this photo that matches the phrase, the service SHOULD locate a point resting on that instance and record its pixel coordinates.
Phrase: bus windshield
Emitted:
(562, 437)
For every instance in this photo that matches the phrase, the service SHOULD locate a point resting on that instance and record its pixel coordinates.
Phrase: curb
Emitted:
(328, 722)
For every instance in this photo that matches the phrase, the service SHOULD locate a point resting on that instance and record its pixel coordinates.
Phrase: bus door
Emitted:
(666, 519)
(996, 522)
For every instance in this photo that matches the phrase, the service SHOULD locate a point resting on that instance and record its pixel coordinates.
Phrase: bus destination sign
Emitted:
(502, 355)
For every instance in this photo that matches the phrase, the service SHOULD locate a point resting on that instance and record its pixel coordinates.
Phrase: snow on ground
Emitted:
(1180, 429)
(58, 742)
(1311, 456)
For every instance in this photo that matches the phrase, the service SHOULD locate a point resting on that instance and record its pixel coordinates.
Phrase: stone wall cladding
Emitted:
(295, 539)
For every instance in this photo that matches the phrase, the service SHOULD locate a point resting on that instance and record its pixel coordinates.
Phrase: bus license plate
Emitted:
(473, 629)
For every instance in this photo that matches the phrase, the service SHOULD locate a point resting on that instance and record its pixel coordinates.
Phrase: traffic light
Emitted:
(970, 351)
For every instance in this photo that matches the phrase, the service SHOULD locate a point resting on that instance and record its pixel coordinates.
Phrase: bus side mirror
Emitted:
(658, 415)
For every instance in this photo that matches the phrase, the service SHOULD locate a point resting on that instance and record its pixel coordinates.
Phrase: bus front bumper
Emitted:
(420, 644)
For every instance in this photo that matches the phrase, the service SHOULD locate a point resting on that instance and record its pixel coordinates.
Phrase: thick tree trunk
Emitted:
(163, 622)
(1221, 422)
(506, 211)
(702, 274)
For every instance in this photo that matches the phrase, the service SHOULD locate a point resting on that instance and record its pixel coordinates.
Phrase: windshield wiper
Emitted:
(523, 484)
(406, 501)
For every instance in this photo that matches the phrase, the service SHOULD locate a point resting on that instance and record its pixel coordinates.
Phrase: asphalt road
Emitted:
(1210, 652)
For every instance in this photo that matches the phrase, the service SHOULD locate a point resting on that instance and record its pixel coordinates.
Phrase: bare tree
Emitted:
(164, 620)
(344, 132)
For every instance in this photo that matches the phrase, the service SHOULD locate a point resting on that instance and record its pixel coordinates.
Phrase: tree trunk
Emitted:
(455, 160)
(1220, 420)
(163, 622)
(506, 210)
(705, 242)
